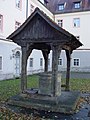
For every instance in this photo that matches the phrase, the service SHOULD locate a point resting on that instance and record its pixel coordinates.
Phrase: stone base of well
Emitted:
(46, 85)
(67, 101)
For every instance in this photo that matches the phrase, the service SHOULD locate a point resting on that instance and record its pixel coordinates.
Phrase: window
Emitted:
(17, 54)
(0, 62)
(60, 61)
(45, 2)
(76, 5)
(76, 62)
(76, 22)
(18, 3)
(31, 62)
(49, 62)
(78, 37)
(31, 8)
(61, 7)
(1, 23)
(41, 62)
(17, 24)
(60, 23)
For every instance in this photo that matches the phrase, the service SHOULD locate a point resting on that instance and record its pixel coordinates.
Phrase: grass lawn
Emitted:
(82, 85)
(9, 88)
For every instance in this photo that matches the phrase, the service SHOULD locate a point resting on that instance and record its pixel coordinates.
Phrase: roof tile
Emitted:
(69, 7)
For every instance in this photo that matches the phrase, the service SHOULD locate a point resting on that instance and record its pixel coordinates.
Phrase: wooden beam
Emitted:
(45, 55)
(68, 55)
(55, 54)
(66, 47)
(24, 69)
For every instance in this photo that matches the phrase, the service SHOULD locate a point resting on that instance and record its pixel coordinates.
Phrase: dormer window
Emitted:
(45, 2)
(61, 7)
(77, 5)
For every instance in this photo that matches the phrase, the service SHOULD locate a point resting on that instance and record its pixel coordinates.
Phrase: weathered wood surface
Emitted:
(40, 32)
(68, 55)
(24, 69)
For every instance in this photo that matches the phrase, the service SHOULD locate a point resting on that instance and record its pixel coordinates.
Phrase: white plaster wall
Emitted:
(8, 64)
(8, 48)
(82, 31)
(42, 1)
(10, 15)
(84, 57)
(36, 55)
(38, 4)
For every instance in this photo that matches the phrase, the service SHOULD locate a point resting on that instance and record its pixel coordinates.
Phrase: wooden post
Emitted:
(45, 55)
(55, 55)
(68, 55)
(29, 51)
(24, 69)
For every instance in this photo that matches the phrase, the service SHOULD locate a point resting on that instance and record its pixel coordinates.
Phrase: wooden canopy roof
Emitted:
(40, 32)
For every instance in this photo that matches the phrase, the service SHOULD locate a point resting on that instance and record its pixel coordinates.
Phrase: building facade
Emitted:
(12, 14)
(71, 15)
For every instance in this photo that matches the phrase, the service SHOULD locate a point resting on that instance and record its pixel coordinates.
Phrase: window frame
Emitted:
(77, 63)
(31, 8)
(17, 26)
(41, 62)
(77, 5)
(48, 61)
(60, 60)
(31, 62)
(1, 28)
(76, 22)
(18, 7)
(1, 65)
(61, 7)
(60, 22)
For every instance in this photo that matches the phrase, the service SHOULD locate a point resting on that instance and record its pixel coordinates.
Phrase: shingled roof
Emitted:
(69, 6)
(39, 28)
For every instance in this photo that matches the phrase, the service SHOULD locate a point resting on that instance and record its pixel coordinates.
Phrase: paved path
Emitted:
(81, 75)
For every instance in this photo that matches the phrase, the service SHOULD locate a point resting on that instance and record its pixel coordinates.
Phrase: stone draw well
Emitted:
(41, 33)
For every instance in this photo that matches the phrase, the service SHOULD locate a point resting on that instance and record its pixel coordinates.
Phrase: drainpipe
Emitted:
(26, 9)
